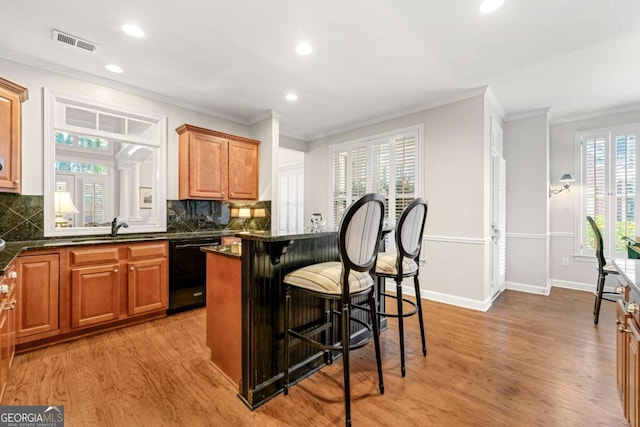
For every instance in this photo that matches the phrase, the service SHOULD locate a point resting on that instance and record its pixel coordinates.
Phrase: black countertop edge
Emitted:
(265, 236)
(224, 250)
(270, 237)
(13, 248)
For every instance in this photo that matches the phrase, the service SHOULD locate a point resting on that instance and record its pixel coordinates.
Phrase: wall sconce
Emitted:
(566, 180)
(63, 204)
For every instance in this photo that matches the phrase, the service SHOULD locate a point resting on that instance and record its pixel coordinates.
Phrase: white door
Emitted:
(498, 212)
(291, 191)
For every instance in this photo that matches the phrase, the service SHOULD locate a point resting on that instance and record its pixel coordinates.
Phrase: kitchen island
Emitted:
(265, 260)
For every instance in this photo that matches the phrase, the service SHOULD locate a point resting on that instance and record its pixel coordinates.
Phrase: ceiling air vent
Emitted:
(74, 41)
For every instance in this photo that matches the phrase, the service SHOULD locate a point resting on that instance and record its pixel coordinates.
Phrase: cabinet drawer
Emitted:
(153, 250)
(93, 256)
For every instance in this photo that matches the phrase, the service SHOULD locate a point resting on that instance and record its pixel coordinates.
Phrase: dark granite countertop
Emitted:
(12, 249)
(225, 250)
(276, 237)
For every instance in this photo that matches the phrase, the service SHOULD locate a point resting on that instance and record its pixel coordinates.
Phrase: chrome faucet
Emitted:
(115, 226)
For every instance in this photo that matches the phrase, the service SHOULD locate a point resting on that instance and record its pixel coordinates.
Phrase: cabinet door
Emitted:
(4, 346)
(207, 166)
(621, 354)
(632, 381)
(10, 141)
(95, 294)
(37, 294)
(147, 286)
(11, 323)
(243, 170)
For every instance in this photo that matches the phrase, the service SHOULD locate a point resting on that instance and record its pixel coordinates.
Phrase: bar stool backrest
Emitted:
(359, 236)
(598, 242)
(409, 231)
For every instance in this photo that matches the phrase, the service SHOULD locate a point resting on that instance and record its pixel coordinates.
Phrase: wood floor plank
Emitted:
(530, 360)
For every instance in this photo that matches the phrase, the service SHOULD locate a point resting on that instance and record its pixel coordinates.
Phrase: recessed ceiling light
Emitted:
(114, 68)
(292, 97)
(133, 30)
(304, 49)
(489, 6)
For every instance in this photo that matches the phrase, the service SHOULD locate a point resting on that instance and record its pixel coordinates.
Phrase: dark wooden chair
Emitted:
(403, 264)
(353, 276)
(604, 270)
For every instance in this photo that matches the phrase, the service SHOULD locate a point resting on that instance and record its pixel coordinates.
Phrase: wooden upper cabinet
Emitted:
(243, 170)
(11, 97)
(216, 166)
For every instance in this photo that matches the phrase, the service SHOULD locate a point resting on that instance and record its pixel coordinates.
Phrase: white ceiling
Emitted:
(372, 58)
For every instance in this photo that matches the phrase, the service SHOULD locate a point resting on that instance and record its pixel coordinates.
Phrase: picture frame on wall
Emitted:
(146, 198)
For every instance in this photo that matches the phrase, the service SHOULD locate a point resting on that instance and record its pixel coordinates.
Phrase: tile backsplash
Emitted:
(22, 217)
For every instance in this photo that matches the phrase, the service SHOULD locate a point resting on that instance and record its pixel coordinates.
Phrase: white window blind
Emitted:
(388, 165)
(608, 180)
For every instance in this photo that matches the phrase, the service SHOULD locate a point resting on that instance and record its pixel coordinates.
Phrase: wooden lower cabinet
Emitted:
(147, 286)
(632, 383)
(81, 290)
(37, 294)
(95, 295)
(7, 324)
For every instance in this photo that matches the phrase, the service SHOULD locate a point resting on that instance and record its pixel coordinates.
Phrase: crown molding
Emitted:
(597, 113)
(528, 114)
(493, 100)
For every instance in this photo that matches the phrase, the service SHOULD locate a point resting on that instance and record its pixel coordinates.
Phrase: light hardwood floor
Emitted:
(529, 361)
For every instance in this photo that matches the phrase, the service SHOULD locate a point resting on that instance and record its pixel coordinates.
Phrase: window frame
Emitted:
(368, 142)
(582, 250)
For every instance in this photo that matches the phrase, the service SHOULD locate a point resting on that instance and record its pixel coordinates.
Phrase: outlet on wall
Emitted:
(565, 262)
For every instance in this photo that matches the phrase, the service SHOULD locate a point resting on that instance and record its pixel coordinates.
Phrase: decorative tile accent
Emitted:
(212, 215)
(21, 217)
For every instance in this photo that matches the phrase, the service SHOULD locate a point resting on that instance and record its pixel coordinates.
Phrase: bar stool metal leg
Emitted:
(420, 319)
(345, 360)
(400, 326)
(287, 339)
(375, 319)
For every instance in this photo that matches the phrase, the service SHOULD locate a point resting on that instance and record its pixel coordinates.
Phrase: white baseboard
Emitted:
(443, 298)
(578, 286)
(531, 289)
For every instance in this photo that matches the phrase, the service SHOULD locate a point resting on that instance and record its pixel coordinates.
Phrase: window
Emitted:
(608, 177)
(387, 164)
(101, 156)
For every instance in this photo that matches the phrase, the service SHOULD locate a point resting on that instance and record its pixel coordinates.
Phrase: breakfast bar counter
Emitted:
(265, 260)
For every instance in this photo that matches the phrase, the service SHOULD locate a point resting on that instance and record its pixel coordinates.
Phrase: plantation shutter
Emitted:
(609, 182)
(93, 203)
(387, 165)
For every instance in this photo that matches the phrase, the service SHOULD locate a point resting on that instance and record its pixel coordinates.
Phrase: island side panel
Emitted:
(224, 314)
(264, 265)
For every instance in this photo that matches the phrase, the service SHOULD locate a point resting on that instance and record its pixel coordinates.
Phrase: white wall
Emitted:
(580, 273)
(294, 143)
(32, 119)
(454, 171)
(526, 149)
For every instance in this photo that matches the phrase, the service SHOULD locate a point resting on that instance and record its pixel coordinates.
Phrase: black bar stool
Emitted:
(604, 270)
(405, 263)
(358, 238)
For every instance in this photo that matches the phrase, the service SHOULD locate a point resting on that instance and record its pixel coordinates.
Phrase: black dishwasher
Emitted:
(188, 273)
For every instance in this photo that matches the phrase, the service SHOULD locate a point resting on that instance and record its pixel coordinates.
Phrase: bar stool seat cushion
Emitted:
(386, 264)
(324, 278)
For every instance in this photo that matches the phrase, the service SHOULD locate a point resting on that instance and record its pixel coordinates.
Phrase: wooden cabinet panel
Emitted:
(37, 294)
(95, 295)
(621, 354)
(147, 250)
(243, 170)
(224, 314)
(147, 286)
(11, 98)
(207, 166)
(216, 166)
(633, 372)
